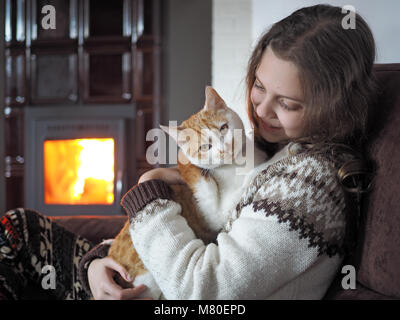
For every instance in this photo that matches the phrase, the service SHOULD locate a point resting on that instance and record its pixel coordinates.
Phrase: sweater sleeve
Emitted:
(135, 201)
(273, 249)
(99, 251)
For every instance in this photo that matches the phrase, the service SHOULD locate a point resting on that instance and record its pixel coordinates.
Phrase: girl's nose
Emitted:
(264, 109)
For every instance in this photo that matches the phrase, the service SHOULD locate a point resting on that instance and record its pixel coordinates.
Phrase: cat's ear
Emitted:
(165, 128)
(173, 131)
(213, 100)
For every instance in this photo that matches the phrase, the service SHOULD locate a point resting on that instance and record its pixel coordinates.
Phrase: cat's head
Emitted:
(212, 137)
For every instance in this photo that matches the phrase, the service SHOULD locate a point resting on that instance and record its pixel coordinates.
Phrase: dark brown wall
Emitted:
(187, 67)
(2, 182)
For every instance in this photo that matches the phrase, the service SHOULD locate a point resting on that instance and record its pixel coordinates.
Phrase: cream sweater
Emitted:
(283, 240)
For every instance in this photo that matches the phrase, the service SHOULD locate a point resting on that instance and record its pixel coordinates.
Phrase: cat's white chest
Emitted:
(218, 195)
(230, 185)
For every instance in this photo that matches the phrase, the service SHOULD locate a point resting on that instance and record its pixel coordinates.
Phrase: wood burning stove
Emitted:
(75, 159)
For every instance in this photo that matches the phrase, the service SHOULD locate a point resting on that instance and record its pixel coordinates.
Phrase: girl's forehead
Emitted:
(279, 76)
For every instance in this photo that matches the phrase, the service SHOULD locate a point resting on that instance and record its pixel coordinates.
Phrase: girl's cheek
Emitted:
(284, 119)
(255, 99)
(292, 124)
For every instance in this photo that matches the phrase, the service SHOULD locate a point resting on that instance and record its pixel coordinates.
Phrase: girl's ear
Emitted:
(213, 100)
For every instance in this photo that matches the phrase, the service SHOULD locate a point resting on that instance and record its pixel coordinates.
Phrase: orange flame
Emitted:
(79, 171)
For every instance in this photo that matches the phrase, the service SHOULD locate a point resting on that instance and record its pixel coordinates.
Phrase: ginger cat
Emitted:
(213, 186)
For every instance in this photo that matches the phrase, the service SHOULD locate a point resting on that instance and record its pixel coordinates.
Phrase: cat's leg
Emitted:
(208, 199)
(203, 186)
(205, 191)
(207, 194)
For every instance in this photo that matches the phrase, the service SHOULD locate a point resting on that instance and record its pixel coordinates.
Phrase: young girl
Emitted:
(309, 84)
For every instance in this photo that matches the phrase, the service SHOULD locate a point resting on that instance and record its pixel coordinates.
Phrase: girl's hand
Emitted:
(169, 175)
(102, 285)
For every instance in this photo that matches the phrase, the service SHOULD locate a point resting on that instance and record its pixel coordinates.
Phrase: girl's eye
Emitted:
(285, 106)
(224, 128)
(205, 147)
(258, 86)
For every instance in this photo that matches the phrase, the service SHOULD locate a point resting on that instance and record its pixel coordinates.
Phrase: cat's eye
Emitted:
(205, 147)
(224, 128)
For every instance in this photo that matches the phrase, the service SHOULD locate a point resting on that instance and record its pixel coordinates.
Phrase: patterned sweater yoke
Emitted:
(302, 190)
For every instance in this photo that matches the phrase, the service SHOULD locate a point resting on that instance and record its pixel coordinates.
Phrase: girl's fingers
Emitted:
(127, 294)
(132, 293)
(110, 288)
(112, 264)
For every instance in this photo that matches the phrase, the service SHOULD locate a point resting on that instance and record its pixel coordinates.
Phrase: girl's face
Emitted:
(277, 99)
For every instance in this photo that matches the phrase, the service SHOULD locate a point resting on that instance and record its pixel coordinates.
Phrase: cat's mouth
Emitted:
(221, 160)
(225, 153)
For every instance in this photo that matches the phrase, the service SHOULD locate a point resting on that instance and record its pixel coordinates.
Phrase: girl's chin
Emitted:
(273, 138)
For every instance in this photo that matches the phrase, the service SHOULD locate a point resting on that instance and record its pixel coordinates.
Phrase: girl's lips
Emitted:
(267, 127)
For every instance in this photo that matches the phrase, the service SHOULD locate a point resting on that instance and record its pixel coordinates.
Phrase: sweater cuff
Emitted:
(98, 252)
(144, 193)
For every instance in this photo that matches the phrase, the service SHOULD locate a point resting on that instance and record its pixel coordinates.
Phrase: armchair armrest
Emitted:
(92, 228)
(336, 292)
(360, 293)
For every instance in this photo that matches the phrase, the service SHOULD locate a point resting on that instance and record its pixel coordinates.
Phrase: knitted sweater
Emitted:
(283, 240)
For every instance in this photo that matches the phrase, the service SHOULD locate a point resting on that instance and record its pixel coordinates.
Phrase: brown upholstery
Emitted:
(377, 258)
(93, 228)
(379, 263)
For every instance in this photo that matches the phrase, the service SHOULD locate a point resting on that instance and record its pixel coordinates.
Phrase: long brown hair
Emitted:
(335, 68)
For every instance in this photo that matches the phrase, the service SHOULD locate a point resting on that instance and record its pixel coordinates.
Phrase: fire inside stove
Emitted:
(79, 171)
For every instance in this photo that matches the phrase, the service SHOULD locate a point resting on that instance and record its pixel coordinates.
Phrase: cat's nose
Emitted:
(225, 153)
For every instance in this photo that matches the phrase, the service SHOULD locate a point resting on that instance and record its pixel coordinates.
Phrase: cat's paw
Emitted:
(153, 291)
(107, 241)
(207, 193)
